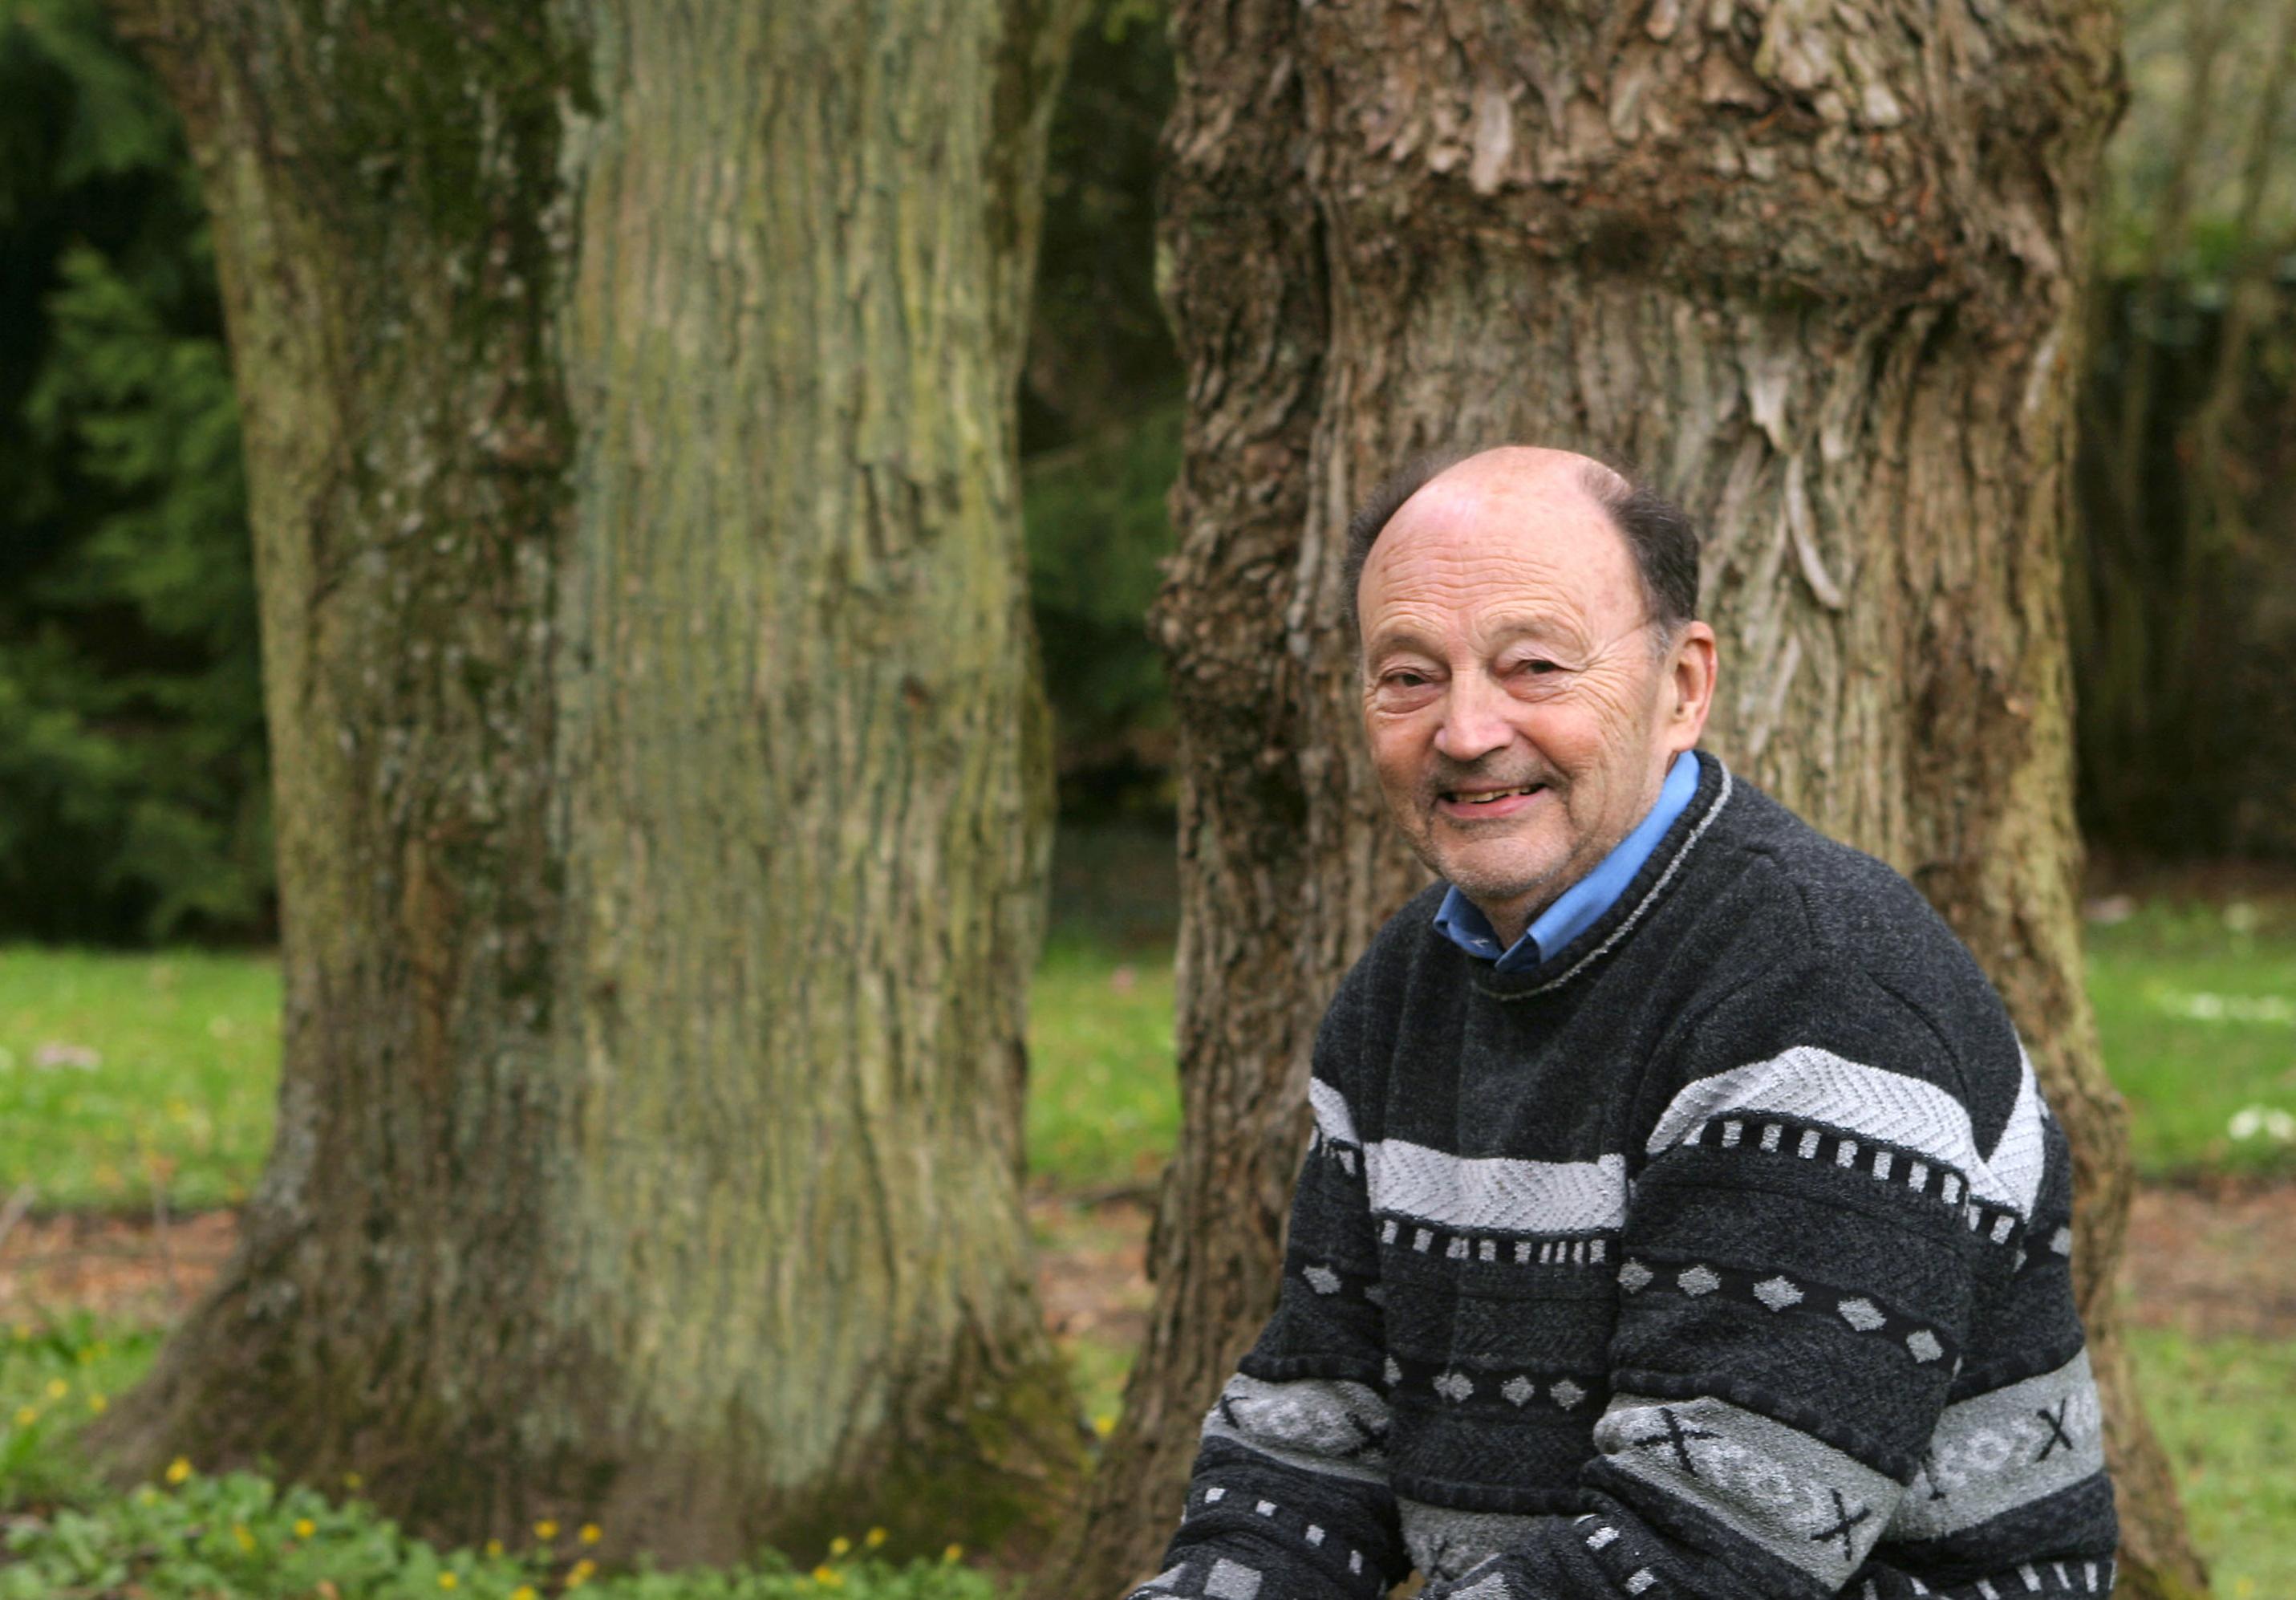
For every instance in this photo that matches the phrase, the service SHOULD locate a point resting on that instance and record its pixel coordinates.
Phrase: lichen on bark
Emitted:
(660, 778)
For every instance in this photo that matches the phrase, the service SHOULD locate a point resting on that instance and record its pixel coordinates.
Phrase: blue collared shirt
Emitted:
(1577, 909)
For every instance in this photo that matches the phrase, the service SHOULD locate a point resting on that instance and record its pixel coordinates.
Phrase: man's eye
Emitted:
(1405, 680)
(1539, 666)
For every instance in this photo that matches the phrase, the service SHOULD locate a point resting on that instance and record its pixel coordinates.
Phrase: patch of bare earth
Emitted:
(2214, 1261)
(2208, 1261)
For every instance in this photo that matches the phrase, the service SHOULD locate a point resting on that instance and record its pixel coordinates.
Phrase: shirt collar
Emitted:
(1579, 906)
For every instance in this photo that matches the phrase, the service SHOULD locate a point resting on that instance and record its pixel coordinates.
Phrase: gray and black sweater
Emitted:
(1725, 1253)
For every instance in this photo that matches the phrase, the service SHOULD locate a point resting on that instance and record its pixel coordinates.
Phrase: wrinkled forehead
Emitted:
(1493, 543)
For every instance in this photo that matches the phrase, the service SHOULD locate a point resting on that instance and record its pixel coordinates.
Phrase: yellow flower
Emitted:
(352, 1480)
(580, 1573)
(524, 1591)
(954, 1553)
(26, 1415)
(178, 1470)
(239, 1531)
(1103, 1424)
(98, 1404)
(494, 1546)
(839, 1545)
(828, 1577)
(591, 1533)
(304, 1527)
(58, 1389)
(873, 1538)
(447, 1580)
(545, 1529)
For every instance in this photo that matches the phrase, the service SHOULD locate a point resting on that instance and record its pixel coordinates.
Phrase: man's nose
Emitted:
(1474, 723)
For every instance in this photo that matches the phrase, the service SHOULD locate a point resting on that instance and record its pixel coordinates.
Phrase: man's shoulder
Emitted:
(1845, 938)
(1830, 902)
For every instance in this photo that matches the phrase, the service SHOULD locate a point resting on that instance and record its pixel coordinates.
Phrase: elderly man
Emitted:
(1682, 1217)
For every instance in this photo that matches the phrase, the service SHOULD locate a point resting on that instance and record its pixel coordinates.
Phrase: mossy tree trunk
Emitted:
(662, 782)
(1815, 268)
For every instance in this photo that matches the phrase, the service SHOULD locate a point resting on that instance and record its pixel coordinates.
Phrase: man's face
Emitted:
(1520, 711)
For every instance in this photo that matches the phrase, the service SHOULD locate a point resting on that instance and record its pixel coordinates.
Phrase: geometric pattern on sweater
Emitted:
(1815, 1085)
(1828, 1145)
(1501, 1388)
(1458, 1194)
(1335, 1428)
(1270, 1517)
(2028, 1578)
(1495, 1195)
(1862, 1310)
(1557, 1249)
(1444, 1542)
(1617, 1555)
(1994, 1453)
(1804, 1502)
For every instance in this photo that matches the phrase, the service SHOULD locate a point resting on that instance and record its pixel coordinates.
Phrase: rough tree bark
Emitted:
(1814, 268)
(662, 782)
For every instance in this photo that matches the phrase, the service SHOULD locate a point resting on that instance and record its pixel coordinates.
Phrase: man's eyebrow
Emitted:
(1545, 628)
(1397, 637)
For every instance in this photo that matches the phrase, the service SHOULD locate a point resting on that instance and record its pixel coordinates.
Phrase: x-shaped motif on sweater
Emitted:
(2057, 1434)
(1678, 1437)
(1841, 1530)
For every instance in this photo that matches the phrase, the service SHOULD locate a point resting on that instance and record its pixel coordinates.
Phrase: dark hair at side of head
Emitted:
(1660, 534)
(1371, 517)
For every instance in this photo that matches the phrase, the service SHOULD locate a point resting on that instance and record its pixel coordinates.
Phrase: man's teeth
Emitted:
(1486, 797)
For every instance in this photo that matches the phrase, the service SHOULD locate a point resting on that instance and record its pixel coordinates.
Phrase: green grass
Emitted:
(1102, 1106)
(119, 1072)
(2226, 1409)
(2196, 1005)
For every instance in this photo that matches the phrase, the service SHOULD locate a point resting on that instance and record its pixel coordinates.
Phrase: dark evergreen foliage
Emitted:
(132, 792)
(133, 802)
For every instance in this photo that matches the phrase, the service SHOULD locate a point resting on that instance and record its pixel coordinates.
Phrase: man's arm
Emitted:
(1814, 1269)
(1290, 1498)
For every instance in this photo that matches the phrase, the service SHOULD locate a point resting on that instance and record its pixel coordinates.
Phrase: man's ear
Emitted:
(1690, 685)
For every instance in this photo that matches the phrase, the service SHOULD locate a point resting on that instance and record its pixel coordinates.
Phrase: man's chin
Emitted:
(1498, 883)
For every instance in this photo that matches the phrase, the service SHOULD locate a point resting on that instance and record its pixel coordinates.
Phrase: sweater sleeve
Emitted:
(1846, 1354)
(1289, 1499)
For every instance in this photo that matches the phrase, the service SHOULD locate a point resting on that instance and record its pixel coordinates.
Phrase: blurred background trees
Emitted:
(131, 718)
(2184, 585)
(130, 742)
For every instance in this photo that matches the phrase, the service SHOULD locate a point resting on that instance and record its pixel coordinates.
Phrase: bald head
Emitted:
(1528, 487)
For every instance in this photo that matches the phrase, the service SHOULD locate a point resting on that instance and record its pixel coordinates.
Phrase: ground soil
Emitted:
(2209, 1261)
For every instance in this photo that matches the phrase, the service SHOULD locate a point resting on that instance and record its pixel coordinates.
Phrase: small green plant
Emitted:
(54, 1379)
(241, 1537)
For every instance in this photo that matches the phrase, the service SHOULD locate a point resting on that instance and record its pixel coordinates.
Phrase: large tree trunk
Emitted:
(1815, 268)
(662, 782)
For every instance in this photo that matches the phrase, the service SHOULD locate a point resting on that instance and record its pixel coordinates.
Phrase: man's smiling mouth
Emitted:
(1489, 797)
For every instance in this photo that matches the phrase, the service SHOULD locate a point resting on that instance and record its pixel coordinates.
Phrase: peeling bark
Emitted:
(662, 783)
(1815, 269)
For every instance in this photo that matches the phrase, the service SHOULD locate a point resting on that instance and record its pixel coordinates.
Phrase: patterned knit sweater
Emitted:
(1725, 1253)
